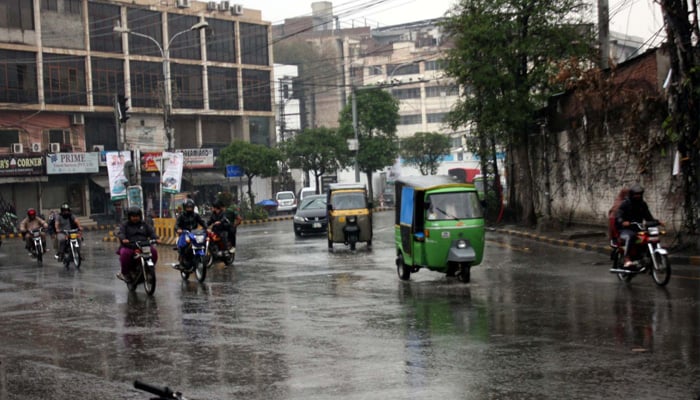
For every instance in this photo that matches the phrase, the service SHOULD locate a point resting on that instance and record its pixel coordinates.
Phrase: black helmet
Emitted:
(65, 207)
(218, 204)
(133, 211)
(636, 189)
(189, 203)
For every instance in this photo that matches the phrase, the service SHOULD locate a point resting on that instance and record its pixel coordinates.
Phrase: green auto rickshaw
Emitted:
(439, 226)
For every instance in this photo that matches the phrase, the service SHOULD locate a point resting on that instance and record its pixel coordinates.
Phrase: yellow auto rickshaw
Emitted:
(349, 214)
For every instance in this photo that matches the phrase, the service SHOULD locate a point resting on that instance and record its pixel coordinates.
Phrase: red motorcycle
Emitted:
(645, 252)
(218, 249)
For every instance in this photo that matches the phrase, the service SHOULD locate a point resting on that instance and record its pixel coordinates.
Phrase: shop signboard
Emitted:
(21, 165)
(198, 158)
(72, 163)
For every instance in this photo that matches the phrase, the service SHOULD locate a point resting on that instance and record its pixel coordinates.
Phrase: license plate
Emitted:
(316, 225)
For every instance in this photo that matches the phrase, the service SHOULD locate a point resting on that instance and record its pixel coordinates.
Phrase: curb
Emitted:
(604, 249)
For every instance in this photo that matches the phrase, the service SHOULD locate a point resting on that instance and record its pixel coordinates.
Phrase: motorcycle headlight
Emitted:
(654, 231)
(461, 244)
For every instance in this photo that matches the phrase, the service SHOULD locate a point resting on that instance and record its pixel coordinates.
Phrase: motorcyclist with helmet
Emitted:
(187, 220)
(65, 220)
(132, 230)
(632, 209)
(218, 223)
(30, 223)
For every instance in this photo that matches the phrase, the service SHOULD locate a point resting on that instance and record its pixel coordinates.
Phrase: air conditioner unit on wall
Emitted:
(36, 147)
(236, 9)
(54, 147)
(98, 148)
(224, 6)
(17, 148)
(183, 3)
(77, 119)
(211, 6)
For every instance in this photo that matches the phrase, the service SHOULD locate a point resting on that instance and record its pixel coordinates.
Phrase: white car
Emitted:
(286, 202)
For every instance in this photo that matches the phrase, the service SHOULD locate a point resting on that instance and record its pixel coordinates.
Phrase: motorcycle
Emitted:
(193, 259)
(219, 249)
(142, 268)
(645, 252)
(71, 248)
(37, 246)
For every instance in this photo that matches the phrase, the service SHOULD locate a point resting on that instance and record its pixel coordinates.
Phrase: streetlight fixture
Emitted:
(167, 96)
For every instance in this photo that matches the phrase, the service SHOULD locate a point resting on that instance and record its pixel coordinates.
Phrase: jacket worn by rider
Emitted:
(139, 231)
(220, 217)
(189, 221)
(30, 224)
(633, 211)
(65, 222)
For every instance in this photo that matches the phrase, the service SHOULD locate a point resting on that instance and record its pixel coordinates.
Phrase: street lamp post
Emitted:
(354, 112)
(165, 55)
(167, 96)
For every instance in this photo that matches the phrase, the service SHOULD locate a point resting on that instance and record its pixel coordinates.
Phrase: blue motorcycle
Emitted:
(193, 258)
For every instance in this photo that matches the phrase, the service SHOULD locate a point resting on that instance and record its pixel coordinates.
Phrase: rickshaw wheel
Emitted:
(464, 273)
(402, 269)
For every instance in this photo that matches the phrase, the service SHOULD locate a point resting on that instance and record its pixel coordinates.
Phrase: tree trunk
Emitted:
(370, 191)
(524, 206)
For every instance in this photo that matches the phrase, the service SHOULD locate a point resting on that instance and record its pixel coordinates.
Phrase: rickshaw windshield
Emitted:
(453, 206)
(348, 201)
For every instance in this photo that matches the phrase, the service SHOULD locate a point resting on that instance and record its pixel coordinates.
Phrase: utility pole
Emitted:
(604, 32)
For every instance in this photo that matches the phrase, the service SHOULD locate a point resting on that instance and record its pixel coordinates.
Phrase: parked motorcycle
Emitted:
(37, 246)
(193, 258)
(71, 248)
(645, 252)
(219, 249)
(142, 268)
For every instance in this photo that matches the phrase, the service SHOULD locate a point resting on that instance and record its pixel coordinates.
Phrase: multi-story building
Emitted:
(197, 75)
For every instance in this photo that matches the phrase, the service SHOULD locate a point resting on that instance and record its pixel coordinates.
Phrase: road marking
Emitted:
(508, 246)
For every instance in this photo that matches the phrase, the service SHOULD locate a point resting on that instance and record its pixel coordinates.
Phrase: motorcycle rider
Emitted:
(65, 221)
(632, 209)
(218, 223)
(28, 224)
(132, 230)
(187, 220)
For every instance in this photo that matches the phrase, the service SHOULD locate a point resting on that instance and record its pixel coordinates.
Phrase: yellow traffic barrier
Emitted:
(164, 227)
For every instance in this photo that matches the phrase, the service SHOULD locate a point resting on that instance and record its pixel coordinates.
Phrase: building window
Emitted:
(440, 91)
(259, 128)
(256, 90)
(402, 69)
(148, 23)
(146, 84)
(17, 14)
(401, 94)
(373, 70)
(186, 86)
(254, 44)
(18, 77)
(107, 80)
(9, 136)
(73, 6)
(103, 18)
(412, 119)
(221, 45)
(59, 136)
(64, 79)
(186, 45)
(434, 65)
(49, 5)
(434, 118)
(223, 88)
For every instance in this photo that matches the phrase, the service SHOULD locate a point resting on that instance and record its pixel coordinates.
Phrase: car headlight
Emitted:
(299, 219)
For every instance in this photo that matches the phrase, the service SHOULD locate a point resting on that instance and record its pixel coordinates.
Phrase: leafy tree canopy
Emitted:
(254, 159)
(424, 150)
(317, 150)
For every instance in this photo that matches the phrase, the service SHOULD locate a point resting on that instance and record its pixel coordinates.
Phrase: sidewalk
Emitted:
(591, 239)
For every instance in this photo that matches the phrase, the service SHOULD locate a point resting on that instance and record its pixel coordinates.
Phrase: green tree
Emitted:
(254, 159)
(506, 53)
(317, 150)
(377, 116)
(424, 150)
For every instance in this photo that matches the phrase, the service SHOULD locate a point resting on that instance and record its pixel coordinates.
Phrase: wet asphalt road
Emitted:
(291, 320)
